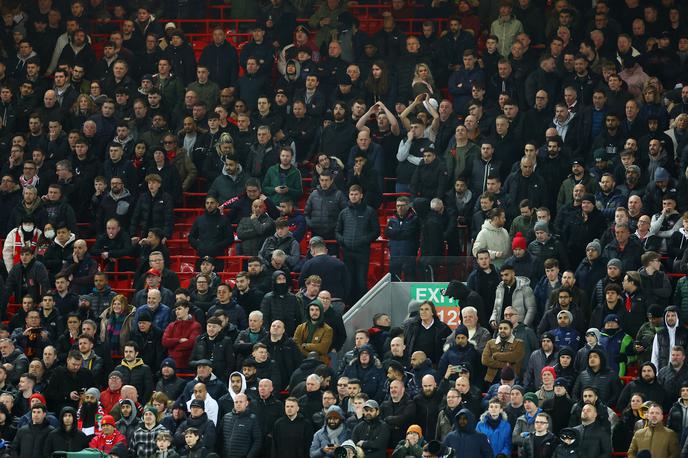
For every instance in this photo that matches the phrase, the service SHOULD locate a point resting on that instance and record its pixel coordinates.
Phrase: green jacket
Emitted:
(208, 93)
(276, 176)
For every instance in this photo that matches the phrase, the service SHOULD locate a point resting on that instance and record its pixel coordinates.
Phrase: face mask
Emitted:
(281, 288)
(27, 227)
(49, 234)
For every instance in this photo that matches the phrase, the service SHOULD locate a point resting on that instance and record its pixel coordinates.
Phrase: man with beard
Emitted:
(338, 137)
(673, 376)
(427, 406)
(68, 381)
(372, 434)
(293, 429)
(331, 435)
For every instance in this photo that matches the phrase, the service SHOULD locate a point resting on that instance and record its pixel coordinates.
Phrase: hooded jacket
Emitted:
(473, 444)
(73, 440)
(280, 304)
(651, 391)
(372, 376)
(316, 336)
(127, 425)
(604, 380)
(667, 337)
(227, 186)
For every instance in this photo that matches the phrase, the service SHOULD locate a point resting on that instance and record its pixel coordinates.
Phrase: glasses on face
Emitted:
(541, 422)
(509, 314)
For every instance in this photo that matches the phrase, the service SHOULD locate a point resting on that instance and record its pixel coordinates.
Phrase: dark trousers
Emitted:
(357, 264)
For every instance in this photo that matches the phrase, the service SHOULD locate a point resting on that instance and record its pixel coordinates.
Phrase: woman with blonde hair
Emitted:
(215, 163)
(82, 109)
(423, 82)
(116, 326)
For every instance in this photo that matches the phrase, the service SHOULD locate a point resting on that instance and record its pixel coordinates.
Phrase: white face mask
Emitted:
(49, 234)
(27, 227)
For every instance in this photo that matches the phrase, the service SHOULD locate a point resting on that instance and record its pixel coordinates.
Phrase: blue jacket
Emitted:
(456, 355)
(566, 337)
(161, 316)
(403, 234)
(372, 377)
(473, 444)
(500, 438)
(321, 439)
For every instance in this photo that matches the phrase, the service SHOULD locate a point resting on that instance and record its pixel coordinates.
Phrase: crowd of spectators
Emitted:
(549, 139)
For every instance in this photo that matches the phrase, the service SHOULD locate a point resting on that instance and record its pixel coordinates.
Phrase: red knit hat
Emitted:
(549, 369)
(518, 242)
(38, 396)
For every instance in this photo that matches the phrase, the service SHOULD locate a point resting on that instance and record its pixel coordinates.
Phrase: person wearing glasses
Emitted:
(542, 441)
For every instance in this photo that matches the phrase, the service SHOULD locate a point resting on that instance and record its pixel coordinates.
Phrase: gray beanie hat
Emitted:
(616, 262)
(95, 392)
(595, 245)
(541, 226)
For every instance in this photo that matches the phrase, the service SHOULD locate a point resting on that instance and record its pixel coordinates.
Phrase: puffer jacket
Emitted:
(253, 232)
(494, 239)
(357, 227)
(372, 376)
(152, 212)
(604, 380)
(139, 375)
(205, 427)
(241, 435)
(681, 298)
(322, 209)
(500, 437)
(403, 234)
(522, 299)
(321, 439)
(171, 339)
(30, 440)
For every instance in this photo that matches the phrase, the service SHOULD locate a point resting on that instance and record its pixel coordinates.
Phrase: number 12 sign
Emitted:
(448, 309)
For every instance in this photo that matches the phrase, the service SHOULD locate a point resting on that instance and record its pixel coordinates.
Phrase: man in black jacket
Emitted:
(30, 439)
(372, 434)
(67, 437)
(292, 429)
(240, 431)
(214, 345)
(68, 381)
(268, 409)
(357, 227)
(593, 439)
(398, 412)
(211, 233)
